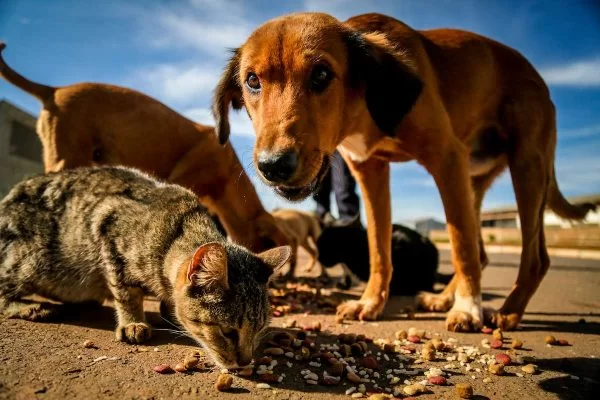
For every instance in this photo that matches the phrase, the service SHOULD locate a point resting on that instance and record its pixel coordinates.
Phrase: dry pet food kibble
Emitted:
(163, 369)
(516, 344)
(529, 369)
(224, 382)
(503, 359)
(496, 369)
(88, 344)
(550, 339)
(497, 334)
(464, 390)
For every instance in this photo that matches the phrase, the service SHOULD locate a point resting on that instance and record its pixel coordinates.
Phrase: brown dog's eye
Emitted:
(252, 82)
(320, 77)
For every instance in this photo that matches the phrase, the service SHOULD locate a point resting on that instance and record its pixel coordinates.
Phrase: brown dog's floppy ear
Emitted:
(391, 88)
(228, 92)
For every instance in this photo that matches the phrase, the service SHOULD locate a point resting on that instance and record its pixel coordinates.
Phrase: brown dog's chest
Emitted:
(359, 148)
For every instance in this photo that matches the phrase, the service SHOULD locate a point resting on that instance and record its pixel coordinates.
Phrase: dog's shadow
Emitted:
(581, 379)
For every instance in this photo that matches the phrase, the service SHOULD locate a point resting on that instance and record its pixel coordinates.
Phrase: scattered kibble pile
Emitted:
(380, 369)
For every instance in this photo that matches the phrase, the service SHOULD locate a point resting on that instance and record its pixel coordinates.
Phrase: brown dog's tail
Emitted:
(42, 92)
(562, 207)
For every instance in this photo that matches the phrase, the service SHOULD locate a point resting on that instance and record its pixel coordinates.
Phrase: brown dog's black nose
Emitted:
(278, 167)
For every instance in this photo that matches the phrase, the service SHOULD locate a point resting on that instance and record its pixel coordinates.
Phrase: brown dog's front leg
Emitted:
(373, 177)
(451, 174)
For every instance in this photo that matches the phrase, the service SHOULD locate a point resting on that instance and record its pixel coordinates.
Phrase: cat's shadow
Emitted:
(102, 317)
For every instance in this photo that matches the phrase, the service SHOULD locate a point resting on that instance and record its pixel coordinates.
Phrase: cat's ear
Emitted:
(276, 258)
(209, 266)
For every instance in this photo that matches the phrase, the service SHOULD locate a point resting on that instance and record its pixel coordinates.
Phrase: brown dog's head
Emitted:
(307, 81)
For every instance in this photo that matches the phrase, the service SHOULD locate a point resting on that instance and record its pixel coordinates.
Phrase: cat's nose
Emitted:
(244, 359)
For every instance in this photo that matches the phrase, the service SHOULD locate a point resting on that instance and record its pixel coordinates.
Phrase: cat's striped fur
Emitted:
(92, 234)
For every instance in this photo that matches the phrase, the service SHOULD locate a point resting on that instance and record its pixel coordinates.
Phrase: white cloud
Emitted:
(210, 27)
(580, 73)
(176, 83)
(239, 121)
(578, 133)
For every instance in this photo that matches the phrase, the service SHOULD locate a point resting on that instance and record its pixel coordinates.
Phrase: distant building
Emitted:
(508, 217)
(20, 147)
(426, 225)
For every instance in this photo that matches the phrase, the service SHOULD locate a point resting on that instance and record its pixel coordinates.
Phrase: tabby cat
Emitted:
(92, 234)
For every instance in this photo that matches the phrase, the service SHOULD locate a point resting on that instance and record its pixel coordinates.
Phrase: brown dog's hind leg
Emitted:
(530, 172)
(373, 175)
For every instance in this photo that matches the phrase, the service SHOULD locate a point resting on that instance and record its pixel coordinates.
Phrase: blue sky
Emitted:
(174, 50)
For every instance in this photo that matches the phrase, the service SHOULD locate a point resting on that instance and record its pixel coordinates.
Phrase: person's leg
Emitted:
(344, 187)
(323, 196)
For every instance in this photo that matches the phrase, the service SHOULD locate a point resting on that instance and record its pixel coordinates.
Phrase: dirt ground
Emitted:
(49, 361)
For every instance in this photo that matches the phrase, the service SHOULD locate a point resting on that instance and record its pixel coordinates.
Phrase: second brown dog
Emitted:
(88, 124)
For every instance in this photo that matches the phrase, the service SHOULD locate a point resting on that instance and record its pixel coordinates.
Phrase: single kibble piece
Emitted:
(273, 351)
(497, 334)
(163, 369)
(464, 390)
(550, 339)
(264, 361)
(438, 344)
(401, 335)
(180, 368)
(496, 344)
(369, 362)
(414, 339)
(529, 369)
(486, 330)
(352, 377)
(389, 348)
(516, 344)
(503, 359)
(190, 362)
(224, 382)
(337, 369)
(357, 350)
(496, 369)
(263, 386)
(363, 344)
(437, 380)
(428, 354)
(88, 344)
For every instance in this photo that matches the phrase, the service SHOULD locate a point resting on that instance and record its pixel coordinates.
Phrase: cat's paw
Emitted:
(31, 311)
(135, 332)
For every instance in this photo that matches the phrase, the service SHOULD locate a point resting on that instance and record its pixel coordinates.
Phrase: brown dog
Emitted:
(89, 124)
(464, 106)
(302, 229)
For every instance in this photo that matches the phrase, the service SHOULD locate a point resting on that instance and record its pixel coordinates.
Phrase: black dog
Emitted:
(414, 257)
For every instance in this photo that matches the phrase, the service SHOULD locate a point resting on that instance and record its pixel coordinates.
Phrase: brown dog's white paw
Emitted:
(499, 319)
(135, 332)
(461, 321)
(466, 314)
(434, 302)
(363, 310)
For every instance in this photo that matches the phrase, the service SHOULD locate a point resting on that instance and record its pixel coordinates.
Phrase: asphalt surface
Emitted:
(49, 361)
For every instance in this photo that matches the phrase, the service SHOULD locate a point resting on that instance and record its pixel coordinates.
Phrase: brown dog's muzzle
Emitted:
(282, 170)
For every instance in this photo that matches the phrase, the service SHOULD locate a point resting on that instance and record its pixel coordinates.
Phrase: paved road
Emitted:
(48, 361)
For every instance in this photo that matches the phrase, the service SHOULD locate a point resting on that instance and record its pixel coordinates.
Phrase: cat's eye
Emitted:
(230, 333)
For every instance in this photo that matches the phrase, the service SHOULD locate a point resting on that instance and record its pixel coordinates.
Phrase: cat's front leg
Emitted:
(132, 326)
